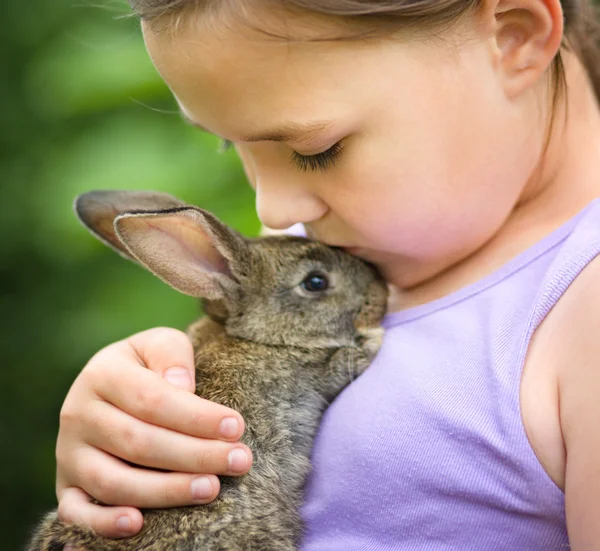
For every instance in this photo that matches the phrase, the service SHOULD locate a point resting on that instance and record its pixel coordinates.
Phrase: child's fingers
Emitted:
(167, 352)
(75, 507)
(146, 396)
(126, 437)
(111, 481)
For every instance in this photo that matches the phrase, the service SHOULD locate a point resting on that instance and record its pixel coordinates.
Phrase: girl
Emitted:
(453, 144)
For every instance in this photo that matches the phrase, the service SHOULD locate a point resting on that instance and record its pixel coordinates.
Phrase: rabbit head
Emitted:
(277, 290)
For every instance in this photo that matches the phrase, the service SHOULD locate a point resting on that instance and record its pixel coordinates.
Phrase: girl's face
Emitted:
(406, 151)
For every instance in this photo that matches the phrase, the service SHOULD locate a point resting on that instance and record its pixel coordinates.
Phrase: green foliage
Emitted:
(82, 108)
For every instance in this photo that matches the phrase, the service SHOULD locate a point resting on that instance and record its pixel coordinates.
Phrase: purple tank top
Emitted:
(427, 450)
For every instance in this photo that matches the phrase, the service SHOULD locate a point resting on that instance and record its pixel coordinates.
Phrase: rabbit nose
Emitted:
(279, 207)
(373, 308)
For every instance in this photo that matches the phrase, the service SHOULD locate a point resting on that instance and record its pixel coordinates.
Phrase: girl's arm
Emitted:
(577, 338)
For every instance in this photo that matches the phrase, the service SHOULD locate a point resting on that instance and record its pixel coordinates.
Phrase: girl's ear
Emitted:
(527, 36)
(98, 210)
(188, 248)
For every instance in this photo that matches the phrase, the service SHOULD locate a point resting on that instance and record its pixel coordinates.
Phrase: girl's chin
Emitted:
(369, 255)
(364, 254)
(356, 251)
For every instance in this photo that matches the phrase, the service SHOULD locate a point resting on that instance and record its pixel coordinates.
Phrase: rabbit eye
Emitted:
(315, 282)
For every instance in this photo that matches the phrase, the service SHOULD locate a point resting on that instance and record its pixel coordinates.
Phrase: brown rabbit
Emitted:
(289, 323)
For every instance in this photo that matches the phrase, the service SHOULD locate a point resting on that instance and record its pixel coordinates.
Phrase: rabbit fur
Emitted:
(270, 346)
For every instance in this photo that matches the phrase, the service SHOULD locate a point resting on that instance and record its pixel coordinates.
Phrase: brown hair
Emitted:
(376, 17)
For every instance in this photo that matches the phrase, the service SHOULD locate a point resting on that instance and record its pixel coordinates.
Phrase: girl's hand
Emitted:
(131, 407)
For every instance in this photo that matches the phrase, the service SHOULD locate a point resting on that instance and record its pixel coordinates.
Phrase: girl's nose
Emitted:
(282, 204)
(282, 199)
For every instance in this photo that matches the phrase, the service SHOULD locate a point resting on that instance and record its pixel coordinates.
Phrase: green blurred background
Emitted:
(82, 108)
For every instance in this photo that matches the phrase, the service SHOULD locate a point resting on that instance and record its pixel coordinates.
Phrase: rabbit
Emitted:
(289, 322)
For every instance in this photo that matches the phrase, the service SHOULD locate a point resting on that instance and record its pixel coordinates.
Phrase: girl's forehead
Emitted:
(214, 47)
(226, 76)
(235, 80)
(227, 73)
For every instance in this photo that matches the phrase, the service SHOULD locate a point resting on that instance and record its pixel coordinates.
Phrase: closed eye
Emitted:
(320, 161)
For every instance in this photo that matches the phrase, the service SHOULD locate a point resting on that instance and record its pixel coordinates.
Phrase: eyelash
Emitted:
(321, 161)
(224, 146)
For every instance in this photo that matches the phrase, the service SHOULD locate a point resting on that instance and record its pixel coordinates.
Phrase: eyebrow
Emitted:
(289, 132)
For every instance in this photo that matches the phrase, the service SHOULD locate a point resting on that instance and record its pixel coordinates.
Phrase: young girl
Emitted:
(456, 145)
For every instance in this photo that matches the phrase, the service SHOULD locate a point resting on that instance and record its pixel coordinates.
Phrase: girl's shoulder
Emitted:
(562, 343)
(566, 349)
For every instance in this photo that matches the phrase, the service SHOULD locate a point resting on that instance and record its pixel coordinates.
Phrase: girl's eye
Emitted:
(321, 161)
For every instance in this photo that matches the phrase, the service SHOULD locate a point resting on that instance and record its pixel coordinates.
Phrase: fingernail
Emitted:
(201, 488)
(179, 377)
(229, 427)
(124, 524)
(238, 460)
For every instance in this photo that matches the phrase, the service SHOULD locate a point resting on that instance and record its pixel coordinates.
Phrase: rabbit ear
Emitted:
(188, 248)
(98, 210)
